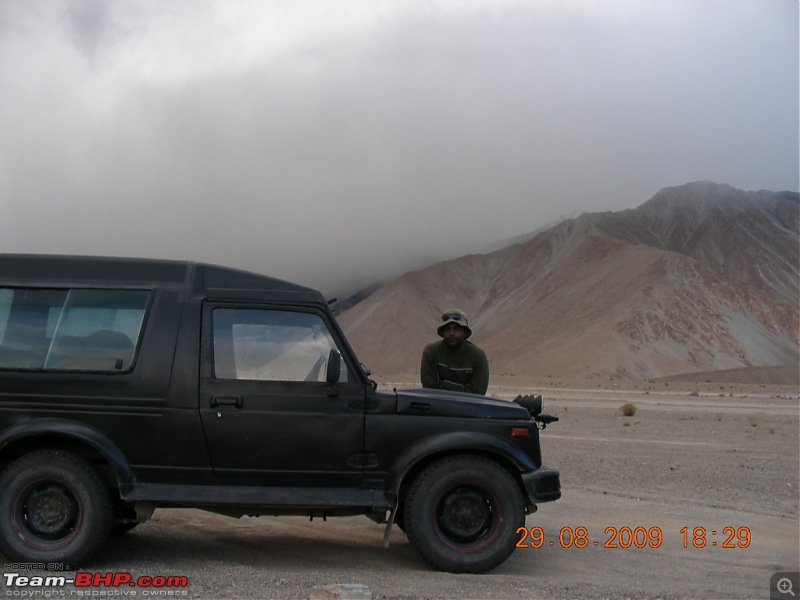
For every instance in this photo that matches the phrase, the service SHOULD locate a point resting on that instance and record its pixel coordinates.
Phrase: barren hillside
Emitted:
(700, 278)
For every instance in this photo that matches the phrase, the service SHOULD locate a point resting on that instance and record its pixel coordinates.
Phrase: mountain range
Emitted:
(700, 279)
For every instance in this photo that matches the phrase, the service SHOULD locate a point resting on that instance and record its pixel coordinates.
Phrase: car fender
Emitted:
(72, 430)
(465, 442)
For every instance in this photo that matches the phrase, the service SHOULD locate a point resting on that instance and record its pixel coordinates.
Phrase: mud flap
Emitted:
(387, 533)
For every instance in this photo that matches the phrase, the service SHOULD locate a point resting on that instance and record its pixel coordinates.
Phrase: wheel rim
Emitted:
(466, 517)
(47, 514)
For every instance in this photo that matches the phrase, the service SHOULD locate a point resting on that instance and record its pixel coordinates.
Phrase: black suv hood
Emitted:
(442, 403)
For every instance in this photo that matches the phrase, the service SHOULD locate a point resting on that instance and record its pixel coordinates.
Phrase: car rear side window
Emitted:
(70, 329)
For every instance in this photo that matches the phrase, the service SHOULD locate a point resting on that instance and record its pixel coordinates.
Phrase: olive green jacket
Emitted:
(462, 370)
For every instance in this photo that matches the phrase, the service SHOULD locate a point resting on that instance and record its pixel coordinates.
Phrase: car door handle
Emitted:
(227, 401)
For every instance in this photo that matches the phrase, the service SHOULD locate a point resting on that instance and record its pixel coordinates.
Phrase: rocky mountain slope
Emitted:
(701, 277)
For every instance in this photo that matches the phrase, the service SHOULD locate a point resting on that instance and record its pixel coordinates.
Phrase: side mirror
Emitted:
(334, 370)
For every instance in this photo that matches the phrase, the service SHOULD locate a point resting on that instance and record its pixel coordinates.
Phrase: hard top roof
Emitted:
(45, 269)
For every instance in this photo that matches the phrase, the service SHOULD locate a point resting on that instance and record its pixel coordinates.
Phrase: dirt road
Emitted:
(726, 463)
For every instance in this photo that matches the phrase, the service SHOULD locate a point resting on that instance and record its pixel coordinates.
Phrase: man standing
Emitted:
(454, 363)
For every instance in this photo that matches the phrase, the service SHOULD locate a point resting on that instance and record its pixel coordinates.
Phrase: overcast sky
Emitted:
(331, 141)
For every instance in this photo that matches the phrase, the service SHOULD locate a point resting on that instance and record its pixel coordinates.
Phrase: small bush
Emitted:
(628, 409)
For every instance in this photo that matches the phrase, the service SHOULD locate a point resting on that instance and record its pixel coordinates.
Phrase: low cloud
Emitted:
(335, 144)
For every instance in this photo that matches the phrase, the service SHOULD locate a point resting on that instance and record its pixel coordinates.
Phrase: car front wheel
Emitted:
(462, 514)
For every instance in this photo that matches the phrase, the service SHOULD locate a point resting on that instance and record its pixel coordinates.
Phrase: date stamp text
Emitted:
(727, 537)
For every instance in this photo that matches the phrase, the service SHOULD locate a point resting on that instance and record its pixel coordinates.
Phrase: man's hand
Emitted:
(533, 403)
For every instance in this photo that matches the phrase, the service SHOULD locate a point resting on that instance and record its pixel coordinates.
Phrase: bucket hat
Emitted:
(454, 315)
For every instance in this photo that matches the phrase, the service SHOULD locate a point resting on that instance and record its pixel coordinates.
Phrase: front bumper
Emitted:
(542, 485)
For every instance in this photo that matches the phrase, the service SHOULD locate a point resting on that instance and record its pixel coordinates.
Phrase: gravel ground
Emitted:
(690, 458)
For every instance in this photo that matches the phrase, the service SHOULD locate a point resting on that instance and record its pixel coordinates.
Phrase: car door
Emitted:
(269, 414)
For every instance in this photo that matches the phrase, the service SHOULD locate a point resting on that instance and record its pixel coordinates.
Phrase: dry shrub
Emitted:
(628, 409)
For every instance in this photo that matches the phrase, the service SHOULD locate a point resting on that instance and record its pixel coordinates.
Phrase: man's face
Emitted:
(453, 335)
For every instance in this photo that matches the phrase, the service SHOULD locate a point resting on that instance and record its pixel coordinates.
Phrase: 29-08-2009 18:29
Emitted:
(634, 537)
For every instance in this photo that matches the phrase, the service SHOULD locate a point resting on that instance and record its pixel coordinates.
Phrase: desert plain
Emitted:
(698, 491)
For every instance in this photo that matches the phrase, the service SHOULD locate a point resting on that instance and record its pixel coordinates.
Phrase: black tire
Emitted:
(462, 514)
(401, 524)
(54, 508)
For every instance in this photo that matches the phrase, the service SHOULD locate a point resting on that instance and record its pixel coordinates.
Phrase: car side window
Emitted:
(70, 329)
(271, 345)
